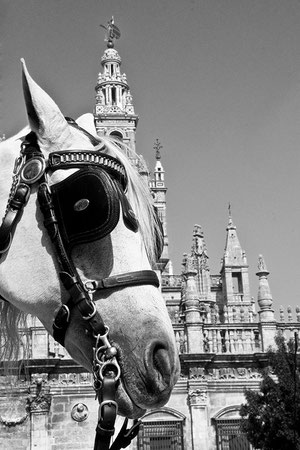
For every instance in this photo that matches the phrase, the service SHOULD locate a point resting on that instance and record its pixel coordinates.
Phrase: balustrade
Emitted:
(172, 281)
(231, 340)
(290, 316)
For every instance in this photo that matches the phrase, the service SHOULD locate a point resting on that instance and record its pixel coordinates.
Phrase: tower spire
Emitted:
(114, 111)
(233, 254)
(234, 269)
(159, 191)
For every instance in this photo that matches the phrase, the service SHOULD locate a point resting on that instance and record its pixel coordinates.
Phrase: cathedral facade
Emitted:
(222, 333)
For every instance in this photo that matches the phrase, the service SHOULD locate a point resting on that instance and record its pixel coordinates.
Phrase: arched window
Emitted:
(228, 432)
(161, 429)
(117, 135)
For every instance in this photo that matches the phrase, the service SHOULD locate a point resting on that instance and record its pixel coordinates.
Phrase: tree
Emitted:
(271, 416)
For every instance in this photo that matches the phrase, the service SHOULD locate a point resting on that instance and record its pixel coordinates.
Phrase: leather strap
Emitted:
(21, 188)
(68, 275)
(74, 124)
(124, 280)
(126, 435)
(108, 409)
(14, 211)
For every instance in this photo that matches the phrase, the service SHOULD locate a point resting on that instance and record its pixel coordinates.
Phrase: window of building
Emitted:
(117, 135)
(161, 430)
(113, 95)
(237, 284)
(229, 435)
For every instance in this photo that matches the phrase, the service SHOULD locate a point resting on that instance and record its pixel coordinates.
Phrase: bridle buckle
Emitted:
(92, 314)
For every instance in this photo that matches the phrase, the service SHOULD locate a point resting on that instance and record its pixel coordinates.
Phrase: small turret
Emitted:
(265, 302)
(192, 308)
(200, 258)
(159, 191)
(264, 297)
(234, 269)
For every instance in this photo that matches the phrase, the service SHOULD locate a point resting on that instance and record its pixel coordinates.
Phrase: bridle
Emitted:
(106, 175)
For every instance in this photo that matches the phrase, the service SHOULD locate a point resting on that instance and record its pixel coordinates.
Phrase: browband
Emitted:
(66, 159)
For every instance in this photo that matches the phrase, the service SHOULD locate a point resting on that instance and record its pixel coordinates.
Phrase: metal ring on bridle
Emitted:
(106, 365)
(102, 337)
(89, 286)
(92, 314)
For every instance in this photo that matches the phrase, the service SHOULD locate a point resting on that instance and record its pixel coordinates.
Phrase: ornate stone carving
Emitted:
(252, 373)
(242, 371)
(197, 373)
(197, 397)
(15, 413)
(41, 400)
(226, 373)
(39, 403)
(79, 412)
(67, 378)
(39, 378)
(85, 378)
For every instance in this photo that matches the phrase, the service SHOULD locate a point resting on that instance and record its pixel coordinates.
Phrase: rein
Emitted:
(109, 177)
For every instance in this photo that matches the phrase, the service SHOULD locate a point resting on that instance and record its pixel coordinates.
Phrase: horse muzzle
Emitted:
(150, 381)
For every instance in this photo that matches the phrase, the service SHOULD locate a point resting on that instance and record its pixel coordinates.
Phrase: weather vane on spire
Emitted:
(157, 147)
(229, 209)
(229, 214)
(112, 32)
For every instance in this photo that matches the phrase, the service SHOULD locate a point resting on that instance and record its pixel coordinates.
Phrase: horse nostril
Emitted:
(161, 362)
(158, 364)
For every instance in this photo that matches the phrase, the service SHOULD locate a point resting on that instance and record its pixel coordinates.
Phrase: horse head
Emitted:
(136, 315)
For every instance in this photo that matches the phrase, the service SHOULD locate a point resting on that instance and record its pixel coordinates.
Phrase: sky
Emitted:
(216, 81)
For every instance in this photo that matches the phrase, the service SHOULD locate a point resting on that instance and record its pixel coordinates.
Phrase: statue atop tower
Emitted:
(112, 32)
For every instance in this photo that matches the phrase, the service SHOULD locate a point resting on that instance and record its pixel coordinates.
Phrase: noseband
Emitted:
(82, 208)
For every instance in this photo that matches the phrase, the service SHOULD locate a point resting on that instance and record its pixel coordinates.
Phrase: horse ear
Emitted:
(45, 117)
(87, 122)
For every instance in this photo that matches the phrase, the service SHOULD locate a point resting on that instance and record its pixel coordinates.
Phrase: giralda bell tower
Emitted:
(114, 111)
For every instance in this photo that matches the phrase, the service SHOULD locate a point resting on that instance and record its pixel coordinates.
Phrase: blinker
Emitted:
(86, 206)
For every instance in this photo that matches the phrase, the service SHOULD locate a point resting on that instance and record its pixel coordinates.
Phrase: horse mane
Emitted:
(139, 195)
(12, 319)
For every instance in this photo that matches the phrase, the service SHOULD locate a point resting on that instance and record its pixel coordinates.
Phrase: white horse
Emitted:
(137, 316)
